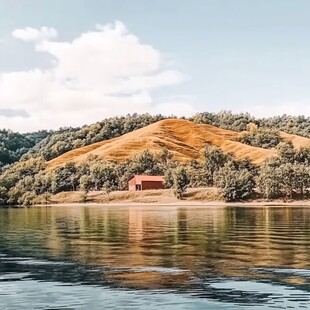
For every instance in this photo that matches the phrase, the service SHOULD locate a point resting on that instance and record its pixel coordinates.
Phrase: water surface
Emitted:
(155, 258)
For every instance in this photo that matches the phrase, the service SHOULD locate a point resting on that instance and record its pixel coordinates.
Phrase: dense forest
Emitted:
(14, 145)
(26, 181)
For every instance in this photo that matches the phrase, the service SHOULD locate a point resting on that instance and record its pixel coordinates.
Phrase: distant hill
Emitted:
(183, 138)
(14, 145)
(51, 144)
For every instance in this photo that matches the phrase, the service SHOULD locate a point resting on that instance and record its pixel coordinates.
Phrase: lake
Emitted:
(154, 258)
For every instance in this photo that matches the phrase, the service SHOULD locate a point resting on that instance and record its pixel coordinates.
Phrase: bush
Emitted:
(264, 138)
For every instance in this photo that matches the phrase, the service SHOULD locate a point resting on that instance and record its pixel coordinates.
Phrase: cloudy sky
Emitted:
(74, 62)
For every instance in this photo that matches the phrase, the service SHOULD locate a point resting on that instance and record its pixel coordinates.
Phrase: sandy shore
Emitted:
(195, 197)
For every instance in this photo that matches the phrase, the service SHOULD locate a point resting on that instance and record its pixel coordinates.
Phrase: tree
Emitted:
(286, 152)
(301, 179)
(65, 178)
(145, 162)
(196, 173)
(165, 156)
(302, 156)
(86, 183)
(180, 182)
(168, 178)
(287, 178)
(107, 188)
(261, 137)
(269, 179)
(234, 184)
(215, 158)
(3, 195)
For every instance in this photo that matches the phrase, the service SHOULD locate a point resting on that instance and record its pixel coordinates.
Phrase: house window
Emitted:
(138, 187)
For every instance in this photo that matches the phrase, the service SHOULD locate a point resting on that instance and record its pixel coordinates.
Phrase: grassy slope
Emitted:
(183, 138)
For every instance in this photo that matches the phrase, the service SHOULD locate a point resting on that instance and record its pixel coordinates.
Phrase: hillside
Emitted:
(183, 138)
(14, 145)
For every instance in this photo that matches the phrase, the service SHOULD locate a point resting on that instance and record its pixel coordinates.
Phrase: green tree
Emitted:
(145, 162)
(287, 179)
(215, 158)
(301, 179)
(165, 156)
(261, 137)
(269, 179)
(180, 182)
(234, 184)
(286, 152)
(3, 195)
(168, 178)
(86, 183)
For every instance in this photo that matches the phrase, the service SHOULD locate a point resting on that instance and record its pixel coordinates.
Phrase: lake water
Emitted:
(154, 258)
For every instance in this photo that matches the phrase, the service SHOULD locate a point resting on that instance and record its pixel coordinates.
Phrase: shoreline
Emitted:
(184, 203)
(194, 198)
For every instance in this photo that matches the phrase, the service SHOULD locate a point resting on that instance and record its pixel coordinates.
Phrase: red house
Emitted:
(143, 182)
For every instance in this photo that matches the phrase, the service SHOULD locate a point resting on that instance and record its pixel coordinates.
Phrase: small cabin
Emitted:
(145, 182)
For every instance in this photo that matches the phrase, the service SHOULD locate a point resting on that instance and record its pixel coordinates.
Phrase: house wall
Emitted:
(132, 184)
(152, 185)
(132, 187)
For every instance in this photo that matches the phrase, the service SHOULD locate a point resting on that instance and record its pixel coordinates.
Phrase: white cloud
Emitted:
(101, 73)
(29, 34)
(280, 108)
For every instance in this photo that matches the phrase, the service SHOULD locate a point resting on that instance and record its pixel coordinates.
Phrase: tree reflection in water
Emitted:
(184, 249)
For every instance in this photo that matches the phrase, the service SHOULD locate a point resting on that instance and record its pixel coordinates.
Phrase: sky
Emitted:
(74, 62)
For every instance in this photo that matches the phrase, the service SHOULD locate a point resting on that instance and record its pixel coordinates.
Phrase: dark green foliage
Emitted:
(224, 119)
(235, 184)
(86, 183)
(104, 175)
(14, 145)
(65, 178)
(180, 182)
(197, 174)
(52, 144)
(261, 137)
(67, 139)
(286, 152)
(287, 176)
(215, 158)
(269, 180)
(3, 195)
(168, 178)
(145, 163)
(302, 156)
(18, 179)
(299, 125)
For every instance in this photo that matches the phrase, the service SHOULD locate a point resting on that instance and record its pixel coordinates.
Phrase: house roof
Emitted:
(140, 178)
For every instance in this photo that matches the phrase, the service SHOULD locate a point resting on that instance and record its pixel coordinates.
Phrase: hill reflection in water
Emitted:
(232, 255)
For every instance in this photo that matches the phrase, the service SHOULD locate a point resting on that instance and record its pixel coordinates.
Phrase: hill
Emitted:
(183, 138)
(14, 145)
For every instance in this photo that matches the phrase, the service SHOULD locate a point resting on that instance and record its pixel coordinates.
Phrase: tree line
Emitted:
(285, 176)
(14, 145)
(50, 144)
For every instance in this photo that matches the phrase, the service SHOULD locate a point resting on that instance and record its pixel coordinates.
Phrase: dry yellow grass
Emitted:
(297, 141)
(149, 196)
(181, 137)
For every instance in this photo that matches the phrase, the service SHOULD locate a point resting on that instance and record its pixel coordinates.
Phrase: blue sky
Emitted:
(245, 56)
